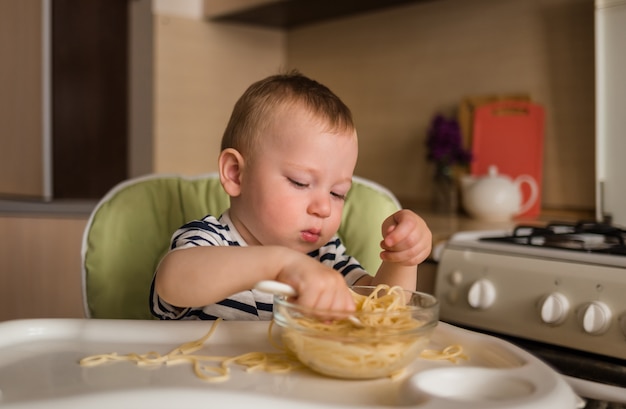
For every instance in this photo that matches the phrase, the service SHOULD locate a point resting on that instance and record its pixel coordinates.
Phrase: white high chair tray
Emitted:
(39, 369)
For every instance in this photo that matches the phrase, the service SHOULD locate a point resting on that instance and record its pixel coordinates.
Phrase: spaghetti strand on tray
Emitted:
(211, 368)
(383, 312)
(452, 353)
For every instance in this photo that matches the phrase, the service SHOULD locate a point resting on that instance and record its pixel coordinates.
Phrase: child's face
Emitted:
(293, 190)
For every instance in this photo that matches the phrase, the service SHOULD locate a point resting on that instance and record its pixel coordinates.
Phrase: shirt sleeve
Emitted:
(246, 305)
(206, 232)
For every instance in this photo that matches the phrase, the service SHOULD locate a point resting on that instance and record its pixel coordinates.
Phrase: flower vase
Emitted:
(445, 192)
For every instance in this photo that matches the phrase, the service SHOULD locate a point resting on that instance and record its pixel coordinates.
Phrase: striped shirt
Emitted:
(250, 305)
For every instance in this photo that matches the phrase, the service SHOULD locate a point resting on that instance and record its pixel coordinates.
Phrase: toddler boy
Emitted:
(287, 159)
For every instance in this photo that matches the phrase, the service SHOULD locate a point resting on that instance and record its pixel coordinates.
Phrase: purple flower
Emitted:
(445, 143)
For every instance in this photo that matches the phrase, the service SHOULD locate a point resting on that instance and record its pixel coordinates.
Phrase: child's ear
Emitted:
(230, 164)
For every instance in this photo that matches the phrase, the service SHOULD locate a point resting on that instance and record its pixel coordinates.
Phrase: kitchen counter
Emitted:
(443, 225)
(42, 208)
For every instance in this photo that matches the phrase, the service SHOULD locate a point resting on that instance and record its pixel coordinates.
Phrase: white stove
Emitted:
(562, 286)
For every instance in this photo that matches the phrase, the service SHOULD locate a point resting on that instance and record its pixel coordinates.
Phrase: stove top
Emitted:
(585, 243)
(583, 236)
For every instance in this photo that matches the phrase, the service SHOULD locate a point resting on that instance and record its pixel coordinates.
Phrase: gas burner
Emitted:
(585, 236)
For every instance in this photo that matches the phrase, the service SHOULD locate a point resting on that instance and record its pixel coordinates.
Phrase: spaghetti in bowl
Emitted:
(396, 327)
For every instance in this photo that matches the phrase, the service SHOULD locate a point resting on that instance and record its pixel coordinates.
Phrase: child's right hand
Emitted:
(318, 285)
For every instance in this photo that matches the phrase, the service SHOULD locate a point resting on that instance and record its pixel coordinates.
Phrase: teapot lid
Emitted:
(492, 171)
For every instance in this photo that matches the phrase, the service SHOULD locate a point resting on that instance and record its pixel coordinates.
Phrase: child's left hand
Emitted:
(407, 240)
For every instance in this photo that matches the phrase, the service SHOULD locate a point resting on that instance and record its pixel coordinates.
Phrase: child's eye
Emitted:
(338, 196)
(296, 183)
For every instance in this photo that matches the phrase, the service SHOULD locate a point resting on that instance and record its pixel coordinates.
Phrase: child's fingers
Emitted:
(399, 233)
(407, 257)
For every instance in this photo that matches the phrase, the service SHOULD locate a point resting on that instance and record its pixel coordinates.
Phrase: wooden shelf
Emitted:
(288, 14)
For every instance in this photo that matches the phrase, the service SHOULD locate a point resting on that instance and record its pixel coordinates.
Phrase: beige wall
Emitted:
(396, 68)
(201, 68)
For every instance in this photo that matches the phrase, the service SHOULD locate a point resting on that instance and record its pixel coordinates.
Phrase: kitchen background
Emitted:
(395, 67)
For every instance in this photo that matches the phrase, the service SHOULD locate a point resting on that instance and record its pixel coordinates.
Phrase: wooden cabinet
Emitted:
(21, 98)
(40, 267)
(63, 105)
(89, 97)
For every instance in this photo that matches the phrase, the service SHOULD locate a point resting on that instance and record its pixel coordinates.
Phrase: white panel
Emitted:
(181, 8)
(610, 102)
(46, 97)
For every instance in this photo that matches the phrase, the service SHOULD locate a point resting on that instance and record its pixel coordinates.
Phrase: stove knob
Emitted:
(455, 278)
(554, 309)
(482, 294)
(595, 317)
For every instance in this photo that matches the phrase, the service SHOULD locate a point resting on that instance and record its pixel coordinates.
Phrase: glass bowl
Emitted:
(396, 326)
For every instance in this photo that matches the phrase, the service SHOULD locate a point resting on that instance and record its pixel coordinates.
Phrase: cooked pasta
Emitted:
(385, 343)
(337, 348)
(452, 353)
(210, 368)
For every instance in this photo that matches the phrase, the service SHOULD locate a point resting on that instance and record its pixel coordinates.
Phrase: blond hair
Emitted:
(255, 109)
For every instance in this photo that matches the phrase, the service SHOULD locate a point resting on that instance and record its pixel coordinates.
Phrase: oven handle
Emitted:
(595, 390)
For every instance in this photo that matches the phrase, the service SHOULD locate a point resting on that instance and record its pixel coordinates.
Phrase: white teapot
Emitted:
(497, 197)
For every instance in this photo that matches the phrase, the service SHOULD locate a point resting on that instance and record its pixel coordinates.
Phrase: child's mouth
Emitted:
(310, 236)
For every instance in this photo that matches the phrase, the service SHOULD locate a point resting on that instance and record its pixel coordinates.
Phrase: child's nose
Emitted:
(320, 205)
